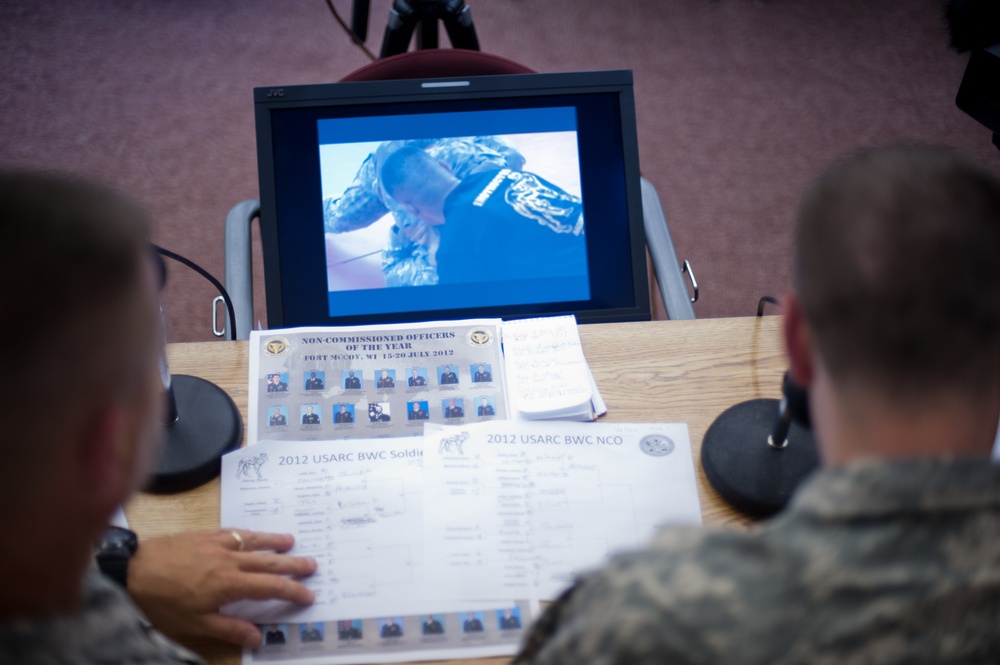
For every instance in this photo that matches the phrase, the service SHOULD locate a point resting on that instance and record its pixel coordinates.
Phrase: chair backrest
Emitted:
(436, 63)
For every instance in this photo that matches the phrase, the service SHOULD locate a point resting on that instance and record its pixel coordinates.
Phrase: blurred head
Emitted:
(80, 305)
(898, 273)
(418, 182)
(80, 309)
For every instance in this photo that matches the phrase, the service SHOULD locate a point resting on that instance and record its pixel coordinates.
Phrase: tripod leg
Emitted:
(359, 18)
(398, 29)
(428, 35)
(458, 22)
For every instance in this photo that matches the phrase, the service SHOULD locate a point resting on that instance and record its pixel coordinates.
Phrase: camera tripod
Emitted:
(406, 15)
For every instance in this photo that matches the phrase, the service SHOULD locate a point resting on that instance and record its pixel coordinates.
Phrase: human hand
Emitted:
(417, 232)
(426, 235)
(181, 581)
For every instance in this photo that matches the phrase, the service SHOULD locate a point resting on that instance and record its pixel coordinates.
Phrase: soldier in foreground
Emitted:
(80, 303)
(891, 552)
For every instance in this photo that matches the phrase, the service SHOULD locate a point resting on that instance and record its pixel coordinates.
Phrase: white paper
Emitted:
(356, 507)
(364, 382)
(547, 372)
(520, 508)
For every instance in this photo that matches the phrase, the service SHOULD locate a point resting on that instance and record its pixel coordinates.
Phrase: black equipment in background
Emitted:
(581, 130)
(406, 15)
(974, 25)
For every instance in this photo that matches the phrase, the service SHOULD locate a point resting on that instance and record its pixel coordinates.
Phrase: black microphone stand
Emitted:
(202, 423)
(756, 453)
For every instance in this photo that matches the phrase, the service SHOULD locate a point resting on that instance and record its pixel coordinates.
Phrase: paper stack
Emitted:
(547, 374)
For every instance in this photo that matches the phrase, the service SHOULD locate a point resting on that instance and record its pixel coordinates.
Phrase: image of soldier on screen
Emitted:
(493, 225)
(376, 237)
(405, 255)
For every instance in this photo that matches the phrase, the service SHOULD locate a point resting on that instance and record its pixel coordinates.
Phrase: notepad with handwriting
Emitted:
(547, 374)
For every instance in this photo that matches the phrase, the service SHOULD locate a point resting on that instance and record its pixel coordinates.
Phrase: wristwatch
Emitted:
(114, 551)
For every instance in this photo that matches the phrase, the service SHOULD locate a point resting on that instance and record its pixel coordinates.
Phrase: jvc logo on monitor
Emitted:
(276, 92)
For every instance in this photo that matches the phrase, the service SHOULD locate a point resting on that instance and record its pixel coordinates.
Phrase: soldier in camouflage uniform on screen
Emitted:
(405, 259)
(891, 552)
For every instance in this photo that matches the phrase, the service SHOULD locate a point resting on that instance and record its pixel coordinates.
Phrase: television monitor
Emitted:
(406, 200)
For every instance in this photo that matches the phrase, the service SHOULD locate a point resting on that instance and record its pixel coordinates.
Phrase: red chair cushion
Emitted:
(436, 63)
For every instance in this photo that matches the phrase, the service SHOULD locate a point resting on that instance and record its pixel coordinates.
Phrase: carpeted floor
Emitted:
(740, 102)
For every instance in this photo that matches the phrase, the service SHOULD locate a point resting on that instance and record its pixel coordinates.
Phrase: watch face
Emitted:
(117, 539)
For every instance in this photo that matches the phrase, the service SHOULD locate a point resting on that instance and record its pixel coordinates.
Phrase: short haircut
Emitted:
(404, 168)
(898, 270)
(70, 260)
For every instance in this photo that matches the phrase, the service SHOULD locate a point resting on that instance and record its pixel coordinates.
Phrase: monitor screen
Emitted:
(397, 201)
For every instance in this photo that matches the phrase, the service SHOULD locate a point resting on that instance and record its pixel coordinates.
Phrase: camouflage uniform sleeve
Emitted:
(108, 628)
(464, 156)
(512, 159)
(359, 207)
(665, 604)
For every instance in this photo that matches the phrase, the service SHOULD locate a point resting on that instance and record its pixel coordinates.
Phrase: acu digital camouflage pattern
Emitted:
(872, 563)
(407, 263)
(108, 629)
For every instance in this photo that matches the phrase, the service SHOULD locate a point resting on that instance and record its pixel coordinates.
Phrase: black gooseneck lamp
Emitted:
(756, 453)
(202, 423)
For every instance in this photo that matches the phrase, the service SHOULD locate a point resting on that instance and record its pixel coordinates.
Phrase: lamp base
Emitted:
(752, 475)
(209, 426)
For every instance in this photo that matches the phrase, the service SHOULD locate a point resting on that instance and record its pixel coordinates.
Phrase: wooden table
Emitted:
(658, 371)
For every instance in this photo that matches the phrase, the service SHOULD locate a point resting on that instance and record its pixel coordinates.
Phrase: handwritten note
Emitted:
(546, 369)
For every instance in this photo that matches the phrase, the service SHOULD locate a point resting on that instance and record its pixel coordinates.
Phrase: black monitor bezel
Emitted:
(283, 311)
